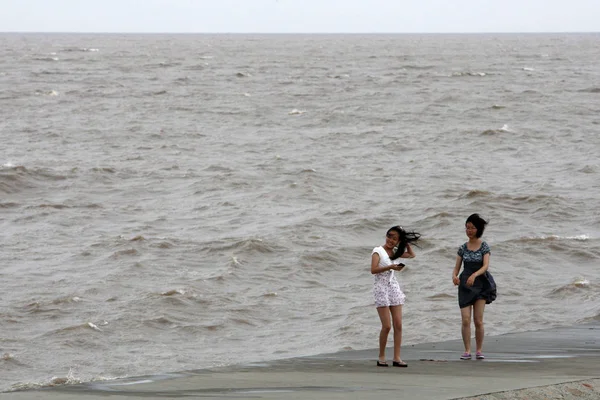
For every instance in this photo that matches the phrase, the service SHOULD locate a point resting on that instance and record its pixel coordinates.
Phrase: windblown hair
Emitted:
(405, 238)
(478, 222)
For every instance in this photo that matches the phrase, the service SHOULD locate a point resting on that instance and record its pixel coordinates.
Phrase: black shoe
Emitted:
(400, 364)
(382, 364)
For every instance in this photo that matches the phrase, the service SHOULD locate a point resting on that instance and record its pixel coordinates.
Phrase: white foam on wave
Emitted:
(581, 282)
(173, 292)
(295, 111)
(94, 327)
(576, 237)
(468, 73)
(47, 93)
(133, 382)
(70, 379)
(505, 128)
(557, 237)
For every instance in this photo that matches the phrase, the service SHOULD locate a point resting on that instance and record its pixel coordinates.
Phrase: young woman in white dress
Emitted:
(389, 297)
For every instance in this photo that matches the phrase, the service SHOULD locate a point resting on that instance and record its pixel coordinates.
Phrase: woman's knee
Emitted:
(478, 322)
(466, 322)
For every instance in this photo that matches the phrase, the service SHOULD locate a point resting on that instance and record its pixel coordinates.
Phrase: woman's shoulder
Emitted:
(461, 249)
(485, 248)
(378, 250)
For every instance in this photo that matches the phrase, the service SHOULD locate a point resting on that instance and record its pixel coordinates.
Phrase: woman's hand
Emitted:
(471, 280)
(455, 280)
(409, 253)
(397, 267)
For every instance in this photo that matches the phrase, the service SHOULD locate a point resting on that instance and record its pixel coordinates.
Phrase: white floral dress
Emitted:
(386, 288)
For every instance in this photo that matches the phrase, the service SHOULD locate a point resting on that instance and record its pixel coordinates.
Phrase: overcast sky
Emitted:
(289, 16)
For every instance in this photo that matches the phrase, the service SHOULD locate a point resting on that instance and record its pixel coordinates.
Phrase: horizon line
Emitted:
(297, 33)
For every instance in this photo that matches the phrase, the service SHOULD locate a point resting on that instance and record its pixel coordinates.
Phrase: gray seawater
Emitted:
(175, 202)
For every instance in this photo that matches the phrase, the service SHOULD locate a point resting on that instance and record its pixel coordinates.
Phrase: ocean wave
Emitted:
(552, 238)
(473, 194)
(540, 204)
(124, 253)
(589, 169)
(79, 50)
(160, 322)
(54, 206)
(46, 93)
(593, 318)
(69, 379)
(68, 331)
(242, 321)
(339, 76)
(173, 301)
(11, 359)
(418, 67)
(590, 90)
(50, 306)
(173, 292)
(246, 246)
(49, 72)
(196, 67)
(504, 129)
(163, 64)
(320, 258)
(468, 73)
(256, 245)
(577, 286)
(17, 178)
(437, 220)
(441, 297)
(108, 170)
(51, 59)
(218, 168)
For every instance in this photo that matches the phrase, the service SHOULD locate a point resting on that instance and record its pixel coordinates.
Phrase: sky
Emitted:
(300, 16)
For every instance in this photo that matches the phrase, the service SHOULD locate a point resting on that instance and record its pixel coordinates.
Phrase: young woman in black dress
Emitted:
(475, 287)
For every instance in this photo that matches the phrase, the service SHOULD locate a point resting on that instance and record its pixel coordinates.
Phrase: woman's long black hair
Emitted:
(405, 238)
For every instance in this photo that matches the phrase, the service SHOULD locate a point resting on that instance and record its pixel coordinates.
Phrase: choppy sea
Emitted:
(176, 202)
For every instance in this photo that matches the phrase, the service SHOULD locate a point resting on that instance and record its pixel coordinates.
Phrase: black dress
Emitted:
(484, 286)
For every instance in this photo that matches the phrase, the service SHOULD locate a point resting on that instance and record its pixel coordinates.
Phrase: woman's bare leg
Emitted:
(397, 322)
(465, 314)
(386, 326)
(478, 308)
